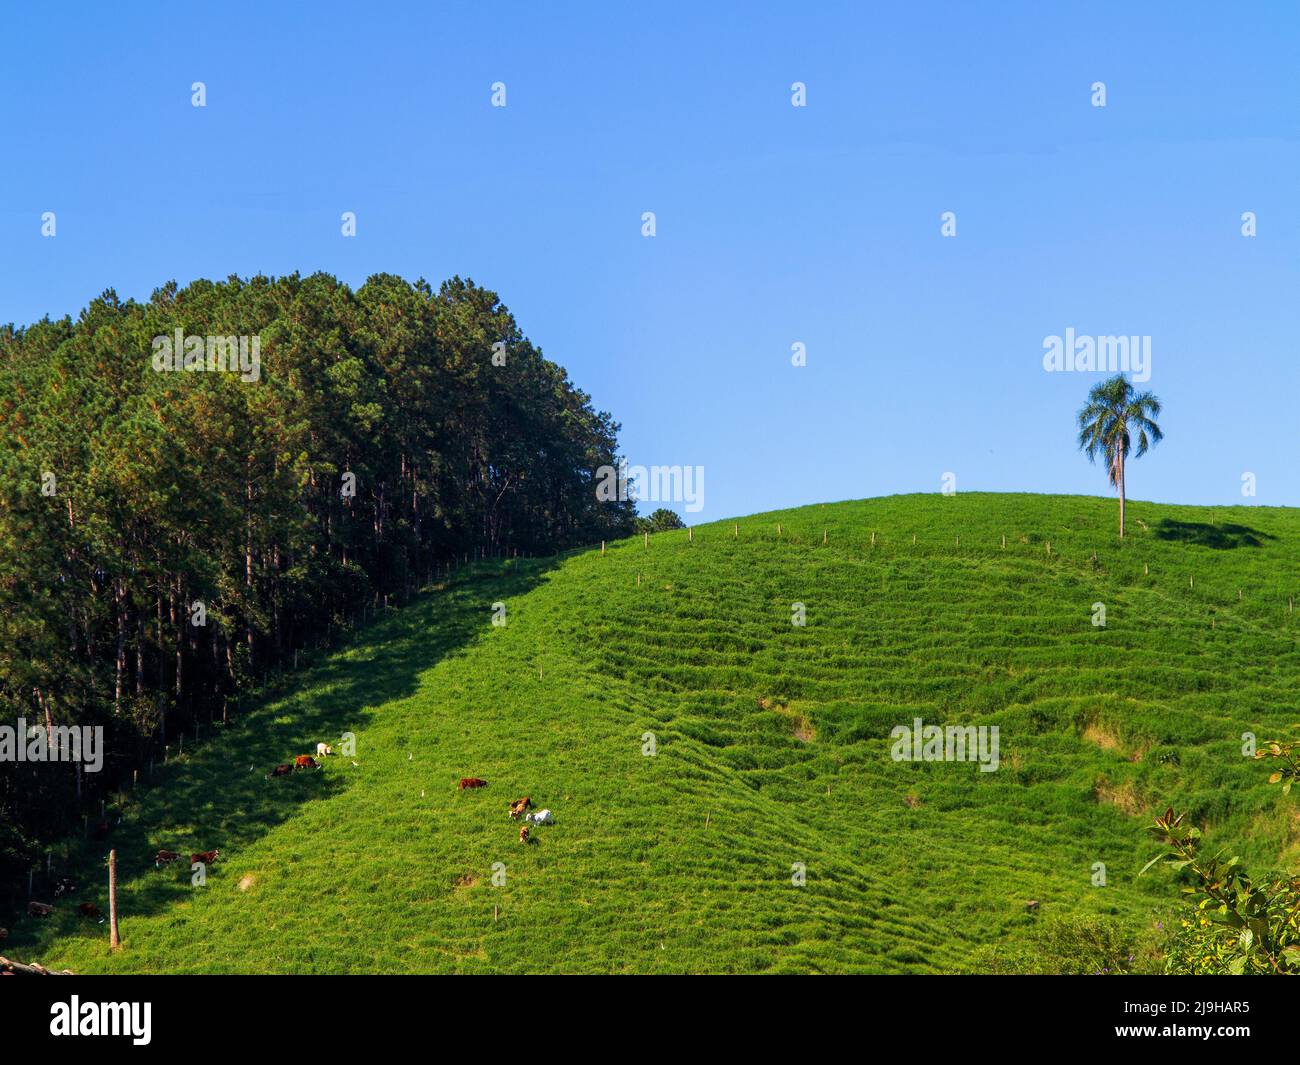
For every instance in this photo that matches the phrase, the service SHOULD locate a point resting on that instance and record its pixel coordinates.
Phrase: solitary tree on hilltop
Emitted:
(1113, 414)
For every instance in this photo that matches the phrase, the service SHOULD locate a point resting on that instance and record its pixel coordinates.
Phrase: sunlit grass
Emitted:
(772, 749)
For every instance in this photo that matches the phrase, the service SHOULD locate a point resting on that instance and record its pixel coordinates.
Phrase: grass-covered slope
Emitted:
(773, 749)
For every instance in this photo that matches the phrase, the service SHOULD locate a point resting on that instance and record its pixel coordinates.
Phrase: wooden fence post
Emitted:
(114, 940)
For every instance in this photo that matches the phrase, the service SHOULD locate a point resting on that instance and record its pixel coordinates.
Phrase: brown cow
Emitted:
(471, 782)
(305, 761)
(282, 770)
(205, 857)
(39, 909)
(88, 909)
(166, 858)
(518, 807)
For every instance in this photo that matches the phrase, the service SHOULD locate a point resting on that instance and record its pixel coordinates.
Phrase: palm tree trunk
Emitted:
(1121, 494)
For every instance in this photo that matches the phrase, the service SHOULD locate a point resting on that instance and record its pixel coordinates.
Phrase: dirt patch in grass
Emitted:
(247, 881)
(1278, 827)
(1102, 737)
(1105, 738)
(464, 882)
(801, 726)
(1124, 796)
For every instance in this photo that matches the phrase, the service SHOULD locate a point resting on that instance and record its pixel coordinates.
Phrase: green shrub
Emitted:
(1070, 946)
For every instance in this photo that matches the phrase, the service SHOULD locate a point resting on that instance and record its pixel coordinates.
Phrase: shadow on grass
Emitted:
(212, 799)
(1223, 536)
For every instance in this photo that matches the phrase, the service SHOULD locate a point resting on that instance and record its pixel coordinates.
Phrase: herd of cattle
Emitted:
(303, 761)
(67, 886)
(519, 808)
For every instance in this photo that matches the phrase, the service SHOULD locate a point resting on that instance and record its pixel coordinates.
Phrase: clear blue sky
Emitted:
(775, 224)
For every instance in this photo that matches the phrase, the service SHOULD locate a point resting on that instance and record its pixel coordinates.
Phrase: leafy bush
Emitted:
(1070, 946)
(662, 520)
(1240, 925)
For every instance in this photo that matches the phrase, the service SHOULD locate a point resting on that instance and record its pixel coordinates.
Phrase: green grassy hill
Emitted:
(773, 748)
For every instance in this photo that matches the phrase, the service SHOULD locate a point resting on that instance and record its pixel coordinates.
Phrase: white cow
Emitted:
(323, 749)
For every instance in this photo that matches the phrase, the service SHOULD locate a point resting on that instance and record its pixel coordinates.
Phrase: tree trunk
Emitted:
(19, 968)
(49, 721)
(119, 603)
(178, 613)
(139, 652)
(1120, 461)
(114, 940)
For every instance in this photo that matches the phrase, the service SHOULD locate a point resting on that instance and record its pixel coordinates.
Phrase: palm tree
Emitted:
(1114, 412)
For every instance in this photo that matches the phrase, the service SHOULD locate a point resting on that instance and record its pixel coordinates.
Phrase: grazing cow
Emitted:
(323, 750)
(518, 807)
(541, 817)
(305, 761)
(523, 834)
(66, 886)
(39, 909)
(205, 857)
(282, 770)
(165, 858)
(471, 782)
(88, 909)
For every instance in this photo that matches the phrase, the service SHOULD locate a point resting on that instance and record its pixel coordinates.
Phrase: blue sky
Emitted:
(775, 224)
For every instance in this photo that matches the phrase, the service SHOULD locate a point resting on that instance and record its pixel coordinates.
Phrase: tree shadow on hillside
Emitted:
(220, 795)
(1222, 536)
